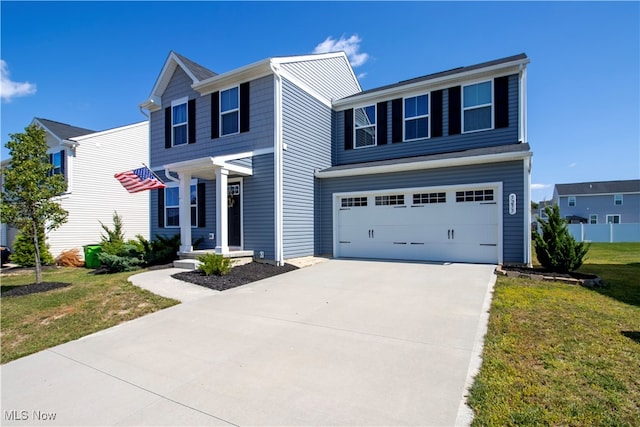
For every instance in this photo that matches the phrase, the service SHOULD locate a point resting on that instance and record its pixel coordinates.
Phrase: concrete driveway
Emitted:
(342, 342)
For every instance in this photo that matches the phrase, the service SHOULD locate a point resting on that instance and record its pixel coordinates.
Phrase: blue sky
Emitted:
(91, 64)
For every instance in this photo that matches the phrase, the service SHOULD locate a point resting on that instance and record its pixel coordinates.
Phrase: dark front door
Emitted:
(233, 211)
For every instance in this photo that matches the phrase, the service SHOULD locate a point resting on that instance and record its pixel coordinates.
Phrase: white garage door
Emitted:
(457, 225)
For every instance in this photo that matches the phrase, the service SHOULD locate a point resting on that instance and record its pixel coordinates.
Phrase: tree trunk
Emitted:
(36, 244)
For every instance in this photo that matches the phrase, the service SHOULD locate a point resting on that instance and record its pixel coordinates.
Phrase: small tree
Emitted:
(556, 248)
(30, 188)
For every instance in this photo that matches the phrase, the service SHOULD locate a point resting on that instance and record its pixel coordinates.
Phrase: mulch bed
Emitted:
(34, 288)
(538, 273)
(238, 276)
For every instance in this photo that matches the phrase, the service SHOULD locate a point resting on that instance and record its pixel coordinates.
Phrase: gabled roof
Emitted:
(601, 187)
(196, 73)
(62, 131)
(442, 76)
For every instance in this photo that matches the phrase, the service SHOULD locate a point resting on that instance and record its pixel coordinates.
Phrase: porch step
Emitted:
(187, 264)
(231, 254)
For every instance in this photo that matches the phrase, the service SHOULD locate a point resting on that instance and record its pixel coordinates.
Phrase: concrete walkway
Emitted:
(338, 343)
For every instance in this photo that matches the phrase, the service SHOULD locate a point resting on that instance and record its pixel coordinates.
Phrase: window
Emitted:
(179, 122)
(474, 196)
(426, 198)
(416, 117)
(593, 219)
(172, 206)
(617, 199)
(57, 160)
(347, 202)
(393, 199)
(229, 111)
(613, 219)
(572, 201)
(365, 126)
(477, 106)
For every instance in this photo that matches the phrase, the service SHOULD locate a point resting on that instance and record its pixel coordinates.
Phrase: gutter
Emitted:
(277, 165)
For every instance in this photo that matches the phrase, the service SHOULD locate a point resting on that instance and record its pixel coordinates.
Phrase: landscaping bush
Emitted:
(24, 252)
(161, 250)
(117, 254)
(70, 258)
(556, 248)
(214, 264)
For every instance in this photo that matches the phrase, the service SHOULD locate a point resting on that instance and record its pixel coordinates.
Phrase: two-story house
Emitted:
(88, 160)
(288, 157)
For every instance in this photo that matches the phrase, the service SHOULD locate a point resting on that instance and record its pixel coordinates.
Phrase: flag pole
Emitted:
(154, 174)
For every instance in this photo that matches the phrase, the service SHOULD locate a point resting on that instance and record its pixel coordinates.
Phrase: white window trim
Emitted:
(221, 113)
(575, 201)
(593, 216)
(613, 215)
(174, 185)
(374, 126)
(404, 117)
(491, 104)
(615, 199)
(175, 103)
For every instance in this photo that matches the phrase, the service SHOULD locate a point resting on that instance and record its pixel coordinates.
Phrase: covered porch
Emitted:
(223, 170)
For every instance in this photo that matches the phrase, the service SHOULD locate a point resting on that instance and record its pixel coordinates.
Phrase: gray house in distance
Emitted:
(288, 157)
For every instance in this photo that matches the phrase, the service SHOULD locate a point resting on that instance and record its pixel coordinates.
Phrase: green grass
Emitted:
(91, 303)
(558, 354)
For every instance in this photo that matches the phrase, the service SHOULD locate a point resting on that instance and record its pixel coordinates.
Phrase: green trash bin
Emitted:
(91, 259)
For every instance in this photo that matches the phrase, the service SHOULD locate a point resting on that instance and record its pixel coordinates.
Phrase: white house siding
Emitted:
(95, 194)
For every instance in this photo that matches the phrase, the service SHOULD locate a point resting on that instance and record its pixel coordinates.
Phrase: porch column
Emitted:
(185, 212)
(222, 238)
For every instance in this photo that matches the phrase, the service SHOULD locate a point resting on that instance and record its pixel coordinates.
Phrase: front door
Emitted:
(234, 217)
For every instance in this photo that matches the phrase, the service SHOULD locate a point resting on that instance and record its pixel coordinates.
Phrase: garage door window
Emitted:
(392, 199)
(474, 196)
(347, 202)
(426, 198)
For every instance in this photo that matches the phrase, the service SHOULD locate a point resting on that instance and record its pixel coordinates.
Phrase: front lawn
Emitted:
(558, 354)
(89, 304)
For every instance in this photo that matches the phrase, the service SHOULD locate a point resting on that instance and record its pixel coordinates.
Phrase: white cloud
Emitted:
(573, 165)
(10, 89)
(540, 186)
(350, 46)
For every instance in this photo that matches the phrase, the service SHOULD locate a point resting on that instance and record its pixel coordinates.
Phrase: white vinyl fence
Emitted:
(608, 233)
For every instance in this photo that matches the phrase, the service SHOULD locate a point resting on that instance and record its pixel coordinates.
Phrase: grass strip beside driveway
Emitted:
(558, 354)
(91, 303)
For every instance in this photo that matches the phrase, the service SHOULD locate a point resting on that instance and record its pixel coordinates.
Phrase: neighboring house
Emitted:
(288, 157)
(605, 202)
(88, 160)
(606, 211)
(539, 212)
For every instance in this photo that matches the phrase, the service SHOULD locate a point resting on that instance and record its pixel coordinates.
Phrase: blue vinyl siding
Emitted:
(511, 174)
(443, 144)
(307, 135)
(602, 205)
(259, 219)
(261, 121)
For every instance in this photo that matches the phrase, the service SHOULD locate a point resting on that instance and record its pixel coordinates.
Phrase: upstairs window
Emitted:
(572, 201)
(416, 117)
(617, 199)
(57, 161)
(179, 122)
(230, 111)
(477, 106)
(365, 126)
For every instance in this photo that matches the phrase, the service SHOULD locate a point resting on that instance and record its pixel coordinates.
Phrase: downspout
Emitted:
(277, 165)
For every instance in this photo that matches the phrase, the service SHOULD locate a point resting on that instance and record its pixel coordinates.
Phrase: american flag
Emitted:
(140, 179)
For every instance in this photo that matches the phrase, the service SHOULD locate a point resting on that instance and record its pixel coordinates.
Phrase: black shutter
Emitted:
(455, 118)
(436, 113)
(191, 112)
(161, 208)
(381, 116)
(244, 107)
(501, 96)
(215, 115)
(396, 120)
(202, 205)
(348, 129)
(167, 127)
